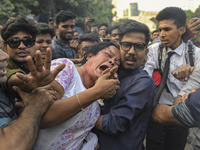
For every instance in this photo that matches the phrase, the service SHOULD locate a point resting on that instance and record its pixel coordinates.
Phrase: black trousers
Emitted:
(165, 137)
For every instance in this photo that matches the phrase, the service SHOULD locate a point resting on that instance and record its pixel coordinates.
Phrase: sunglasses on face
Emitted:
(138, 47)
(15, 42)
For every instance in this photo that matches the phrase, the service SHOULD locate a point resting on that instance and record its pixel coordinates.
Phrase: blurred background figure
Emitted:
(44, 38)
(102, 30)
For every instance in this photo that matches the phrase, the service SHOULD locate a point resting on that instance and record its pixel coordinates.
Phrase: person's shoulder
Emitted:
(141, 74)
(66, 61)
(11, 64)
(153, 46)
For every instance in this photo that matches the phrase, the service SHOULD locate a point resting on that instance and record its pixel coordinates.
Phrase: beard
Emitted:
(64, 37)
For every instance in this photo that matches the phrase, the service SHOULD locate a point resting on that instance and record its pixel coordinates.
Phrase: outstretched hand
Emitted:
(39, 75)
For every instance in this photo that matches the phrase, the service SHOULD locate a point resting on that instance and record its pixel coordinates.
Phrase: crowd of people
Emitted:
(109, 89)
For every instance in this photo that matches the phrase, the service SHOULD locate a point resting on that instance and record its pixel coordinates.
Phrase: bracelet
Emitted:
(79, 103)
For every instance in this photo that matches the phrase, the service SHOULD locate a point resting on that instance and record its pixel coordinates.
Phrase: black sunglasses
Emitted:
(15, 42)
(138, 47)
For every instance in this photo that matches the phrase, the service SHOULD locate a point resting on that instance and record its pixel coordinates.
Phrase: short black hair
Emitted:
(155, 31)
(89, 37)
(63, 16)
(108, 30)
(44, 28)
(103, 24)
(134, 26)
(16, 25)
(116, 26)
(173, 13)
(97, 47)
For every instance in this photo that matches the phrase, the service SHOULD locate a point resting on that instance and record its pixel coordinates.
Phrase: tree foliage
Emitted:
(13, 8)
(100, 10)
(191, 14)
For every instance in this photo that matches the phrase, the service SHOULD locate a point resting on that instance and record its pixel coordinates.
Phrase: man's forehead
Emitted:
(115, 31)
(20, 34)
(138, 36)
(67, 21)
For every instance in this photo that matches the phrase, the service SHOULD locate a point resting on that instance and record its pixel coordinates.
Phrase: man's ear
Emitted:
(56, 27)
(182, 30)
(5, 48)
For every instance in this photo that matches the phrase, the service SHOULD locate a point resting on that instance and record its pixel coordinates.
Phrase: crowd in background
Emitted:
(107, 88)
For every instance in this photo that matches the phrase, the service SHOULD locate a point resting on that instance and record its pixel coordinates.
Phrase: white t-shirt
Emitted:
(71, 133)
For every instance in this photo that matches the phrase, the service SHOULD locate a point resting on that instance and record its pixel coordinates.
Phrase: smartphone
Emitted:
(198, 24)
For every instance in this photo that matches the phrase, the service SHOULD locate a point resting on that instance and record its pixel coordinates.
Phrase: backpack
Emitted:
(157, 74)
(189, 55)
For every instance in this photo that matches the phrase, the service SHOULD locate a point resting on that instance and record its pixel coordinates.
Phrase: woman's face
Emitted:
(106, 58)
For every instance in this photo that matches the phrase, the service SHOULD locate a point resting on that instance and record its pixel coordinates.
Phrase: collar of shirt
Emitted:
(58, 42)
(179, 50)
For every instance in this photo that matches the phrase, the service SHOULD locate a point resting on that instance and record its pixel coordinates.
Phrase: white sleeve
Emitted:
(194, 78)
(152, 60)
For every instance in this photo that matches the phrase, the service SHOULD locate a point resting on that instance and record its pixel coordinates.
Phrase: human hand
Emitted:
(107, 83)
(192, 28)
(74, 44)
(40, 98)
(39, 75)
(183, 72)
(87, 21)
(185, 97)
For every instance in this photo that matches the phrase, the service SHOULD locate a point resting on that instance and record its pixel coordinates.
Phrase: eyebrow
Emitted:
(110, 51)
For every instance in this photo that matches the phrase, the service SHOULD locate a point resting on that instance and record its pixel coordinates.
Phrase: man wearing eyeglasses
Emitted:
(124, 118)
(65, 27)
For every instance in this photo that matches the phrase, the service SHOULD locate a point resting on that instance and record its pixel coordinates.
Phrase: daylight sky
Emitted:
(156, 5)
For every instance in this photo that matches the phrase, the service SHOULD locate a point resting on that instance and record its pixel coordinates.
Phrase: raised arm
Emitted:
(71, 106)
(39, 75)
(163, 114)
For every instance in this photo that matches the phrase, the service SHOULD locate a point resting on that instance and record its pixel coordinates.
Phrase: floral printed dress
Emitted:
(70, 134)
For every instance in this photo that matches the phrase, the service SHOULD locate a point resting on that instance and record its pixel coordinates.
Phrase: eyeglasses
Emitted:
(138, 47)
(15, 42)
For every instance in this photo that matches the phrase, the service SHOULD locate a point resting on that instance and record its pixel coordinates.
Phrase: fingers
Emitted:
(106, 71)
(174, 74)
(191, 69)
(113, 70)
(193, 90)
(110, 73)
(23, 77)
(47, 63)
(19, 91)
(183, 72)
(194, 25)
(184, 98)
(31, 66)
(39, 64)
(187, 73)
